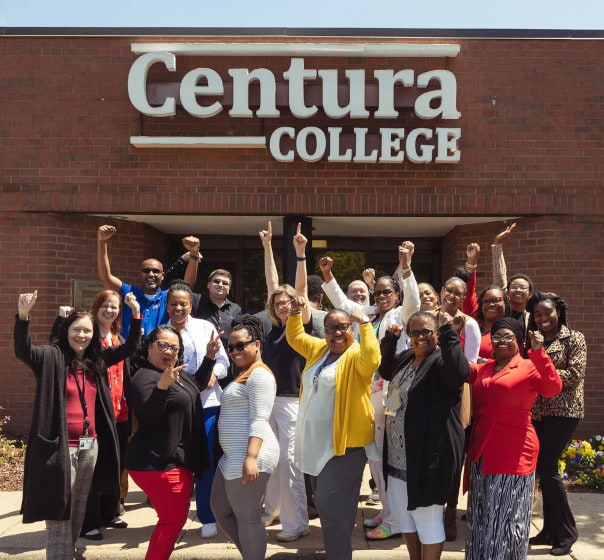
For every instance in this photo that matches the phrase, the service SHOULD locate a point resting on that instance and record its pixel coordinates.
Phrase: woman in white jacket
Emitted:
(387, 311)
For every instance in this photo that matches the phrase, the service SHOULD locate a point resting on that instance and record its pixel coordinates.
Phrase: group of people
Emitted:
(181, 390)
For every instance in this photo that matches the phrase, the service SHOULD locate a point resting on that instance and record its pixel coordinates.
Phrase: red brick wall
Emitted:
(64, 149)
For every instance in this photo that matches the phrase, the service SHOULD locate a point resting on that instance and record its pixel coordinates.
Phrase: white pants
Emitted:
(375, 467)
(286, 493)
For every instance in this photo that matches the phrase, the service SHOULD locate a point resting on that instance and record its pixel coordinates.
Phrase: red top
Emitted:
(470, 304)
(115, 374)
(486, 346)
(502, 432)
(73, 404)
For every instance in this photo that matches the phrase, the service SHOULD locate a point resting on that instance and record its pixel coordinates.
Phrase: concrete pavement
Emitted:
(26, 542)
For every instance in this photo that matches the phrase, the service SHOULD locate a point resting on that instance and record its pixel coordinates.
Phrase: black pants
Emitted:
(554, 435)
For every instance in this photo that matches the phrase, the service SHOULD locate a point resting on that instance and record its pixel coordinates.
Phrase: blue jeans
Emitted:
(203, 484)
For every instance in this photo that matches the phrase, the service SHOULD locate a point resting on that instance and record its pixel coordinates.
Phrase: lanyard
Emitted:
(81, 393)
(324, 364)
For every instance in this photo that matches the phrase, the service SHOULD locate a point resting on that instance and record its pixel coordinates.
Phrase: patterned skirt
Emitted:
(499, 515)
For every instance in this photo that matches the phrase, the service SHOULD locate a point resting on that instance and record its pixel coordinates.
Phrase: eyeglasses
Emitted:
(239, 346)
(518, 287)
(223, 282)
(505, 337)
(385, 292)
(282, 303)
(163, 346)
(154, 270)
(332, 329)
(491, 300)
(424, 333)
(454, 292)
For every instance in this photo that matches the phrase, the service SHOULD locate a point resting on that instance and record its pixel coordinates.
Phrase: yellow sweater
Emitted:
(353, 424)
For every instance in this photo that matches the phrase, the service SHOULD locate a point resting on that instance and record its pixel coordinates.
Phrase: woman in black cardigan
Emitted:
(72, 438)
(423, 447)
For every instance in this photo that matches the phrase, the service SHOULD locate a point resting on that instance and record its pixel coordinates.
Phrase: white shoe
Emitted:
(209, 530)
(268, 518)
(289, 537)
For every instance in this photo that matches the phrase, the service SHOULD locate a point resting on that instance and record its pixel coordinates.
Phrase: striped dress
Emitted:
(245, 412)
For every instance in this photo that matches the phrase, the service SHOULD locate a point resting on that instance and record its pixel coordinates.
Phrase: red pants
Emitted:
(170, 495)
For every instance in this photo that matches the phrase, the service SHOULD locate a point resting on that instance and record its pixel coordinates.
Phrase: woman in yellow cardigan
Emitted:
(334, 399)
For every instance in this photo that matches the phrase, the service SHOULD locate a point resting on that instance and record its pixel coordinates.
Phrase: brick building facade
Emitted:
(532, 123)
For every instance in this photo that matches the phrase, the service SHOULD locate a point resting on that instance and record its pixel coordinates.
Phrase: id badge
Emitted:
(393, 401)
(86, 443)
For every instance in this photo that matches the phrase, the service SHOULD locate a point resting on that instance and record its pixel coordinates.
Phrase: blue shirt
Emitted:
(153, 309)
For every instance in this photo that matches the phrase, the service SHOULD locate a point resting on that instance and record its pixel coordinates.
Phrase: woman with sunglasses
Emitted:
(250, 448)
(423, 449)
(72, 444)
(386, 312)
(169, 446)
(503, 448)
(334, 402)
(195, 334)
(556, 418)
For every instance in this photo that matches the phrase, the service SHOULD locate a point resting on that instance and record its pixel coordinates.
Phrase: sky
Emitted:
(443, 14)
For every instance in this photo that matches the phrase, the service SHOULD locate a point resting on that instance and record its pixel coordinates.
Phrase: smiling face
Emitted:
(452, 296)
(108, 311)
(79, 335)
(281, 305)
(338, 332)
(519, 291)
(243, 349)
(179, 307)
(505, 345)
(219, 287)
(545, 315)
(163, 352)
(384, 296)
(427, 297)
(423, 334)
(152, 274)
(493, 305)
(358, 292)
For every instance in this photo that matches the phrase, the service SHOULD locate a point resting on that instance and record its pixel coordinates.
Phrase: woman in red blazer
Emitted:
(503, 449)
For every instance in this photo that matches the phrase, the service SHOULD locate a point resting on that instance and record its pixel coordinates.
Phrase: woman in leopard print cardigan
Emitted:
(556, 418)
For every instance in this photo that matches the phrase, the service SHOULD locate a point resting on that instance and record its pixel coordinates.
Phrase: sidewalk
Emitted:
(27, 542)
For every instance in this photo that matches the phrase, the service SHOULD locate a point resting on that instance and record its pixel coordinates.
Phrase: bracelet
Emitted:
(197, 257)
(470, 267)
(300, 259)
(292, 312)
(405, 270)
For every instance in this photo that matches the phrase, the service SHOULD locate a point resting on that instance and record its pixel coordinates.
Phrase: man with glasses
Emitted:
(151, 298)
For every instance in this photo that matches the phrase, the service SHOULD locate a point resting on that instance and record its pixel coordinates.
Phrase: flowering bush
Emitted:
(582, 462)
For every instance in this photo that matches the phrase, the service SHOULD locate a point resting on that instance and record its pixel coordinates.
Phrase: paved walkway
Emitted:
(20, 542)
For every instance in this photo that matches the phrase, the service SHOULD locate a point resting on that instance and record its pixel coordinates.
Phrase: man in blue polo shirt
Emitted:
(151, 298)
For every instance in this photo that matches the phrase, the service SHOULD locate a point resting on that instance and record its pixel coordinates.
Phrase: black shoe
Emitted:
(540, 538)
(94, 535)
(560, 550)
(117, 523)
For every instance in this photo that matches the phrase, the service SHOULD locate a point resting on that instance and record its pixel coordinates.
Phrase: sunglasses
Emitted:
(342, 327)
(163, 346)
(223, 282)
(239, 346)
(385, 292)
(154, 270)
(424, 333)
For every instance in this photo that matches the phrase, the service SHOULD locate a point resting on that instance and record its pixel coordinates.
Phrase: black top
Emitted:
(170, 422)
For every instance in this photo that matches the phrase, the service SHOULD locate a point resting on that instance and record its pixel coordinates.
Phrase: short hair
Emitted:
(522, 277)
(333, 312)
(180, 286)
(362, 282)
(426, 315)
(250, 323)
(457, 279)
(392, 281)
(142, 352)
(559, 303)
(314, 289)
(222, 272)
(99, 299)
(506, 301)
(463, 273)
(156, 260)
(281, 289)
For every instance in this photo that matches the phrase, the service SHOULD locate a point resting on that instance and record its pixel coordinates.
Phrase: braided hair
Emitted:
(251, 324)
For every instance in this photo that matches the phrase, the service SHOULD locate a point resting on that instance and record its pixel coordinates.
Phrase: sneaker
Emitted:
(289, 537)
(374, 499)
(94, 535)
(209, 530)
(117, 523)
(268, 518)
(373, 522)
(379, 533)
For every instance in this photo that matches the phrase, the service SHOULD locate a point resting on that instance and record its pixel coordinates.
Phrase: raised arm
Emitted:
(470, 304)
(500, 277)
(24, 351)
(300, 242)
(333, 291)
(456, 369)
(109, 281)
(370, 356)
(184, 267)
(548, 384)
(270, 268)
(411, 301)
